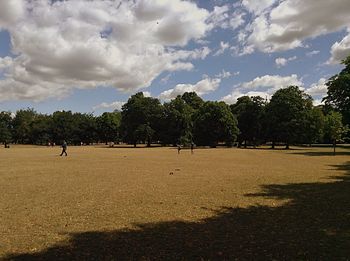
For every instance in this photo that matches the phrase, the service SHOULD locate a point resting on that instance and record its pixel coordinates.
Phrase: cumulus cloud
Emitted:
(280, 61)
(117, 105)
(263, 86)
(83, 44)
(284, 25)
(318, 90)
(11, 12)
(202, 87)
(340, 50)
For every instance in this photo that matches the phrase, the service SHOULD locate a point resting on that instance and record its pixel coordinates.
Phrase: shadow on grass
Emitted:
(323, 153)
(313, 225)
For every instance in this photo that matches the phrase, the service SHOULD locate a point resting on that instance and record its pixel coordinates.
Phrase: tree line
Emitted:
(289, 117)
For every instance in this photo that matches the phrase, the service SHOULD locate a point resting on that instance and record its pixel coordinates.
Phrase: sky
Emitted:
(91, 56)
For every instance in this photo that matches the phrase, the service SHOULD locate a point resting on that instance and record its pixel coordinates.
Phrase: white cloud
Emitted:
(202, 87)
(232, 98)
(117, 105)
(257, 7)
(312, 53)
(224, 74)
(318, 89)
(288, 23)
(223, 46)
(10, 12)
(165, 79)
(224, 17)
(264, 86)
(83, 44)
(280, 61)
(340, 50)
(274, 82)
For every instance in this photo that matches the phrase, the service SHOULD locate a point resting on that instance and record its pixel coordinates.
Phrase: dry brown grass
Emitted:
(44, 198)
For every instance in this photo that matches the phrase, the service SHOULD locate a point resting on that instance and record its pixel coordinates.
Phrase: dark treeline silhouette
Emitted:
(289, 117)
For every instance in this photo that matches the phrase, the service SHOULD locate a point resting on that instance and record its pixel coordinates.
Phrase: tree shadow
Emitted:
(313, 225)
(323, 153)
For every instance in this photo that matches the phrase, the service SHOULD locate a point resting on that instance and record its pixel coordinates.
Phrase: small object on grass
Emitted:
(177, 169)
(171, 173)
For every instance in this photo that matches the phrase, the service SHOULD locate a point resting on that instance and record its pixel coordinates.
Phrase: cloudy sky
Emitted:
(90, 56)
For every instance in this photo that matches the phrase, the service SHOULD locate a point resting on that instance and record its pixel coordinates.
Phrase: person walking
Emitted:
(192, 147)
(64, 148)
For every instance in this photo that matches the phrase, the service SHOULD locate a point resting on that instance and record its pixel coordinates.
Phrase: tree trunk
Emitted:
(273, 145)
(287, 145)
(334, 145)
(148, 142)
(245, 144)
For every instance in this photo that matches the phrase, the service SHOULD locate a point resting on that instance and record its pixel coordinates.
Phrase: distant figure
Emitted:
(178, 148)
(64, 148)
(6, 145)
(192, 147)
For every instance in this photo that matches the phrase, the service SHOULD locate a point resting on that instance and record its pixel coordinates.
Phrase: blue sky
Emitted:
(91, 56)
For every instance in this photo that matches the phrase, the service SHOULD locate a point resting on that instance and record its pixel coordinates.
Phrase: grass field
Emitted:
(151, 203)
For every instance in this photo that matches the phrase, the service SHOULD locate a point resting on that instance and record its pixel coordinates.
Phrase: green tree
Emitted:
(215, 123)
(177, 123)
(22, 126)
(313, 125)
(334, 128)
(108, 126)
(249, 112)
(84, 128)
(5, 127)
(139, 112)
(285, 115)
(193, 100)
(338, 93)
(41, 129)
(63, 126)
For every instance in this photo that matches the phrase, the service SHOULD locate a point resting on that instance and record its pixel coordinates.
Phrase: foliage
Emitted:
(108, 126)
(250, 113)
(338, 93)
(286, 113)
(215, 123)
(177, 122)
(137, 112)
(5, 127)
(22, 126)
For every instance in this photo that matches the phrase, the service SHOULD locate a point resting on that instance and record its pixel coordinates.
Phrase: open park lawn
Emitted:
(153, 204)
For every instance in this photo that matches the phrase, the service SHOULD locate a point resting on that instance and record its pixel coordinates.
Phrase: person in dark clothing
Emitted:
(192, 147)
(64, 148)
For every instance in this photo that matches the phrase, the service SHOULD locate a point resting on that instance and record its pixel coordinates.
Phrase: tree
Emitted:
(22, 126)
(5, 127)
(249, 112)
(177, 122)
(215, 123)
(139, 112)
(334, 128)
(285, 115)
(41, 129)
(338, 93)
(63, 126)
(313, 125)
(84, 128)
(193, 100)
(108, 126)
